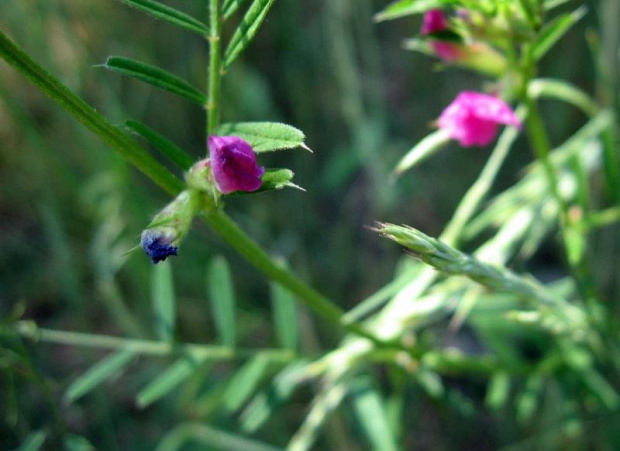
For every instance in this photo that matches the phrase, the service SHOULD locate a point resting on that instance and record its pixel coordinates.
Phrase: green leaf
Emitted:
(177, 155)
(156, 77)
(246, 30)
(372, 414)
(564, 91)
(99, 373)
(284, 316)
(550, 4)
(230, 7)
(275, 179)
(404, 8)
(209, 438)
(169, 379)
(220, 291)
(34, 441)
(73, 442)
(430, 145)
(555, 30)
(498, 390)
(169, 14)
(245, 382)
(74, 105)
(162, 294)
(265, 136)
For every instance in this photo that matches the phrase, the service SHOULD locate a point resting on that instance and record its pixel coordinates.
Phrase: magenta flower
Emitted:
(433, 21)
(234, 164)
(472, 118)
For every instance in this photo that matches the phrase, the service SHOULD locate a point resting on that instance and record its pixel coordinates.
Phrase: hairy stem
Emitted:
(215, 57)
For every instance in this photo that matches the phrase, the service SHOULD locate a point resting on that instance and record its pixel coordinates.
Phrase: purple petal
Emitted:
(433, 21)
(234, 164)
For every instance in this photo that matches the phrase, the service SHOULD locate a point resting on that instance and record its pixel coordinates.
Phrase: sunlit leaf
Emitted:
(404, 8)
(155, 76)
(555, 30)
(264, 136)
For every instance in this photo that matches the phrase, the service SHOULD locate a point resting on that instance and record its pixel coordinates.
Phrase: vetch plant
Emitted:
(467, 308)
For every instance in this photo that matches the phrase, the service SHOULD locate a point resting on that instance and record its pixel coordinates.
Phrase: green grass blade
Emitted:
(155, 76)
(245, 382)
(555, 30)
(208, 438)
(265, 136)
(177, 155)
(221, 294)
(74, 105)
(162, 294)
(372, 415)
(246, 30)
(285, 316)
(230, 7)
(170, 15)
(174, 375)
(99, 373)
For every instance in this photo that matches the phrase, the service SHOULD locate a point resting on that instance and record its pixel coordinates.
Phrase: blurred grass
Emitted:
(70, 209)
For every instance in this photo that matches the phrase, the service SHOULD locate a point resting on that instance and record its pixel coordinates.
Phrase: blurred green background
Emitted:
(71, 209)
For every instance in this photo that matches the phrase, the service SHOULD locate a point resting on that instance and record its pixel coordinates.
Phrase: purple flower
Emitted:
(433, 21)
(234, 164)
(157, 244)
(473, 117)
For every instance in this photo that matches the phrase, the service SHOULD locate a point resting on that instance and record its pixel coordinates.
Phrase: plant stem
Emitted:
(235, 237)
(215, 56)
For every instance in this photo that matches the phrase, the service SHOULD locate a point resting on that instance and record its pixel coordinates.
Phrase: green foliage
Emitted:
(154, 76)
(175, 17)
(222, 300)
(265, 136)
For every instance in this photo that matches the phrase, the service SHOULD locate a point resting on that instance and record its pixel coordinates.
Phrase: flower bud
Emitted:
(164, 234)
(473, 117)
(234, 166)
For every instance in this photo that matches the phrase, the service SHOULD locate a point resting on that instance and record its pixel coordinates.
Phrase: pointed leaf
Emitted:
(34, 441)
(169, 14)
(169, 379)
(285, 316)
(555, 30)
(220, 291)
(246, 30)
(208, 438)
(264, 136)
(161, 143)
(372, 415)
(155, 76)
(245, 382)
(421, 151)
(162, 294)
(404, 8)
(230, 7)
(109, 367)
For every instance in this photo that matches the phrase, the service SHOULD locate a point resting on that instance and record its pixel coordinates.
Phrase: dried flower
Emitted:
(157, 244)
(234, 164)
(473, 117)
(162, 237)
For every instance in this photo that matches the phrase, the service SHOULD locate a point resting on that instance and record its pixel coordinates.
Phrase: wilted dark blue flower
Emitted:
(157, 244)
(234, 164)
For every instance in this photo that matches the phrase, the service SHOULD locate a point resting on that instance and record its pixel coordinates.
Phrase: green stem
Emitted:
(244, 245)
(28, 329)
(215, 75)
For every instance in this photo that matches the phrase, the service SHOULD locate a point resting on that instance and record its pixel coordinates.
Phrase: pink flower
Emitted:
(234, 164)
(472, 118)
(434, 21)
